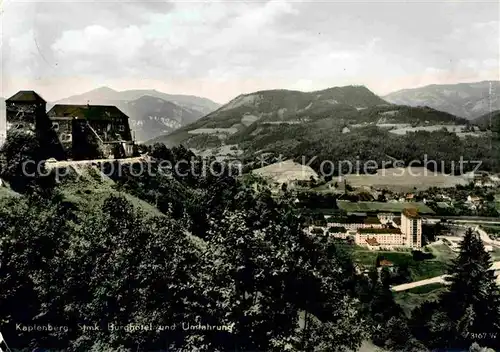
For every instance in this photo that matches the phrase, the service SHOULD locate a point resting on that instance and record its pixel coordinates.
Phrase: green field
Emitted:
(363, 207)
(442, 252)
(420, 270)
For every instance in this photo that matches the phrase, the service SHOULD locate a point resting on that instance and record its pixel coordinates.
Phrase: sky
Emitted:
(221, 49)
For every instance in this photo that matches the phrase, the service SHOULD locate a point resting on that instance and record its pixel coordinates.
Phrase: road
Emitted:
(66, 163)
(434, 280)
(485, 238)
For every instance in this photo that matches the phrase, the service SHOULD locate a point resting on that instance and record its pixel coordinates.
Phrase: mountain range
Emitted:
(469, 100)
(335, 129)
(159, 117)
(151, 112)
(260, 115)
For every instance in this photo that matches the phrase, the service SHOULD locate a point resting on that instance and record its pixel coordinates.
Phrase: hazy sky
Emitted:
(221, 49)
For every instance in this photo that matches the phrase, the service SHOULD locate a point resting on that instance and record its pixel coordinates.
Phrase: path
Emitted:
(434, 280)
(65, 163)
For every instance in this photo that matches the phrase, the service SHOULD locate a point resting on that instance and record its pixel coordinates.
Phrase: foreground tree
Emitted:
(469, 311)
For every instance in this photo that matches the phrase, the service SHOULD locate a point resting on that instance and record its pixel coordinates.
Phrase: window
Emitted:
(121, 128)
(66, 137)
(55, 126)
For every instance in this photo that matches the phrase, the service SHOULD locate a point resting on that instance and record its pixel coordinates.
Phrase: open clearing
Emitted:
(433, 128)
(406, 178)
(286, 171)
(213, 131)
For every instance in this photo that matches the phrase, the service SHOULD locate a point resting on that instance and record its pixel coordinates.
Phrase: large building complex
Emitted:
(383, 230)
(81, 131)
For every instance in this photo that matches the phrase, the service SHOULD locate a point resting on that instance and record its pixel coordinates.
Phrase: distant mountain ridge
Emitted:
(152, 113)
(469, 100)
(262, 114)
(152, 116)
(95, 96)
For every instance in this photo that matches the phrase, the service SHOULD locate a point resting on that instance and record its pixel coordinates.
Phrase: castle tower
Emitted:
(25, 110)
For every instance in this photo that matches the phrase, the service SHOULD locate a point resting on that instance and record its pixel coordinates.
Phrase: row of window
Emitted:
(55, 126)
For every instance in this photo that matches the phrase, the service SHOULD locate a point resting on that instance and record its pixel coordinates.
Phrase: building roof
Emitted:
(335, 229)
(371, 220)
(86, 112)
(26, 96)
(372, 241)
(385, 262)
(379, 231)
(411, 213)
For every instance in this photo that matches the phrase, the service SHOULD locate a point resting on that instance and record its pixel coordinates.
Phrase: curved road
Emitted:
(434, 280)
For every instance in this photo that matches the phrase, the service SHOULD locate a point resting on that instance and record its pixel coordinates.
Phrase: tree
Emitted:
(21, 155)
(470, 309)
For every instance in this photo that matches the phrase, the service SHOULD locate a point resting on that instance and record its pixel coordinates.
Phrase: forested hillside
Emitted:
(190, 260)
(328, 110)
(489, 121)
(339, 125)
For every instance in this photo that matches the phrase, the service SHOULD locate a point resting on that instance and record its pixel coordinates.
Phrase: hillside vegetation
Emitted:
(337, 124)
(489, 121)
(193, 260)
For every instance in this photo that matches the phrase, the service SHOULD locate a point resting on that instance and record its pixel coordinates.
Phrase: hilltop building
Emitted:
(26, 110)
(80, 131)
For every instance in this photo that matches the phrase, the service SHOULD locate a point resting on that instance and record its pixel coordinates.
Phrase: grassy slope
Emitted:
(420, 270)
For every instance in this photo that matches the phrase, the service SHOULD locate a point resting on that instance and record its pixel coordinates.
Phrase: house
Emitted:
(107, 123)
(386, 263)
(473, 199)
(410, 197)
(66, 128)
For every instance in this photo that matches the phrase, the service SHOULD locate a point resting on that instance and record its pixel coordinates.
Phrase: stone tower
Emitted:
(26, 110)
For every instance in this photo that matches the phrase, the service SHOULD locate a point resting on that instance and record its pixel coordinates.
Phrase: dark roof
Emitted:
(87, 112)
(26, 96)
(371, 220)
(372, 241)
(379, 231)
(334, 229)
(385, 262)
